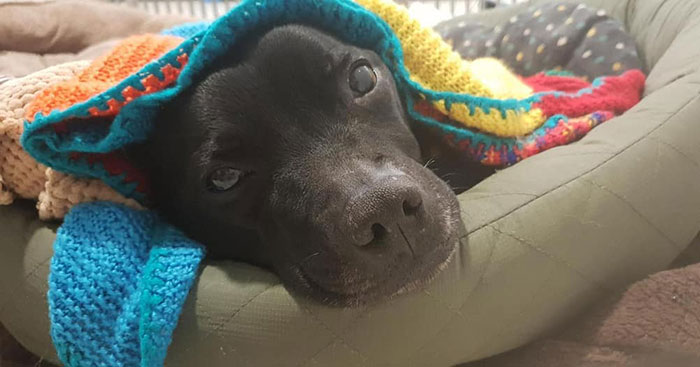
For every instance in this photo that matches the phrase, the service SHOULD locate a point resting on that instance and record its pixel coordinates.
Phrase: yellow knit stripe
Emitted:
(493, 122)
(432, 63)
(503, 83)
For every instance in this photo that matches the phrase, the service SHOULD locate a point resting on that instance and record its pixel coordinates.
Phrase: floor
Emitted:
(13, 355)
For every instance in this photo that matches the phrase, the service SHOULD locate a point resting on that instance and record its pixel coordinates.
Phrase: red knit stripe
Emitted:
(617, 94)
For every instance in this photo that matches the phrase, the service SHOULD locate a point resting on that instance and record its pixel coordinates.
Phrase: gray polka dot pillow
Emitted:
(553, 36)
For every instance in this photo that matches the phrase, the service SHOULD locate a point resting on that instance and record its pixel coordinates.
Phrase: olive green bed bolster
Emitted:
(546, 238)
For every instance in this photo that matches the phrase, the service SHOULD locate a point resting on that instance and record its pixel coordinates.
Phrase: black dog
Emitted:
(295, 154)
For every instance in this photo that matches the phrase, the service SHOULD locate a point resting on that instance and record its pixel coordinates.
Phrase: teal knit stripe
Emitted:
(118, 280)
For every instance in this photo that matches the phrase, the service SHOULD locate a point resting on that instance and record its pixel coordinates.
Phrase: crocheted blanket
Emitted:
(120, 276)
(482, 109)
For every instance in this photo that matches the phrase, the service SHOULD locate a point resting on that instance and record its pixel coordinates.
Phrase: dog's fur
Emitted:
(334, 194)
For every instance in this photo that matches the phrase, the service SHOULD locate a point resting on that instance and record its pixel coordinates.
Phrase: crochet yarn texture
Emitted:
(119, 278)
(20, 175)
(480, 107)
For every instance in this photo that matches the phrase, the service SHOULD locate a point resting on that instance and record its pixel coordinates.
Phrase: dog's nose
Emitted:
(385, 212)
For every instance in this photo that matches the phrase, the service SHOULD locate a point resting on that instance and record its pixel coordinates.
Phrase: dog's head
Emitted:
(296, 154)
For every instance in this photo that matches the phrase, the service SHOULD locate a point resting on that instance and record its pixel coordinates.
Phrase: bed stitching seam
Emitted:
(634, 209)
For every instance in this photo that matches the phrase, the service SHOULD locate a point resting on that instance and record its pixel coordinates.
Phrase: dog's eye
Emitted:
(223, 179)
(362, 79)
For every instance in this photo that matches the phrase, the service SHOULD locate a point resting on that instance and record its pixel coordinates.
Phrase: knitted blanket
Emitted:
(120, 276)
(118, 280)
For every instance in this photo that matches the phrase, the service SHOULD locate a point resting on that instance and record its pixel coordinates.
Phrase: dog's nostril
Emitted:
(378, 231)
(379, 158)
(378, 235)
(410, 209)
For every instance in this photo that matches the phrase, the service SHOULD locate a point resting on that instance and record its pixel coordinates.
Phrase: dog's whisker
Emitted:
(309, 257)
(460, 187)
(444, 176)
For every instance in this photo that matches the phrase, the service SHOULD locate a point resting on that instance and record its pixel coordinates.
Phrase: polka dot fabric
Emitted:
(606, 49)
(560, 36)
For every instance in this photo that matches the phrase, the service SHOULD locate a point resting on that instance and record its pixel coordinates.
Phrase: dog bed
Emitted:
(547, 237)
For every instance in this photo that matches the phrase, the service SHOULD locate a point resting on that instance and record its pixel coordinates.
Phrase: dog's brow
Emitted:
(223, 145)
(229, 153)
(339, 58)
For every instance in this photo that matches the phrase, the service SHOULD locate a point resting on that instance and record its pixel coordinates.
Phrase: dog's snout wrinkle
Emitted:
(408, 242)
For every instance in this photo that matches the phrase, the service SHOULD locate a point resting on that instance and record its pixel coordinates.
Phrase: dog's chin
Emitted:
(407, 277)
(371, 292)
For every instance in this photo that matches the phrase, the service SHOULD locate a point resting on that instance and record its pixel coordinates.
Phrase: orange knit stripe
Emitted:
(127, 58)
(151, 84)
